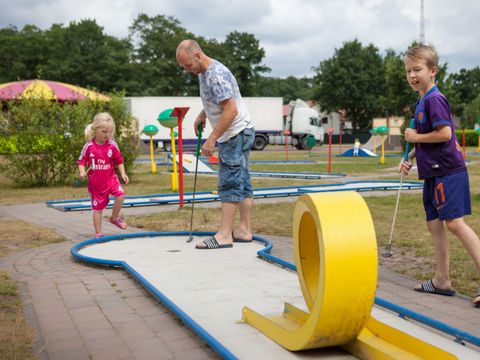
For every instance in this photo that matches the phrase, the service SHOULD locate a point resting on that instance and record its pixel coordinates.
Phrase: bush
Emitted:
(471, 139)
(41, 139)
(471, 113)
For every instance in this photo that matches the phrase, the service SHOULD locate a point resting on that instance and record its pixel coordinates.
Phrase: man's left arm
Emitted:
(229, 112)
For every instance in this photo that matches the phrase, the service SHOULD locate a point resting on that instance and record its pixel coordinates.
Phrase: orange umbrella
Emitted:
(45, 89)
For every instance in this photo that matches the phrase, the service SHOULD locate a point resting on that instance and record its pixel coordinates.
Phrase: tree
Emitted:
(465, 86)
(83, 55)
(471, 113)
(352, 80)
(155, 40)
(290, 88)
(398, 98)
(22, 52)
(12, 65)
(243, 56)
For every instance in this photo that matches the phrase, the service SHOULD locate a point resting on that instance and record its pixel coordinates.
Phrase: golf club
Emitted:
(388, 250)
(199, 142)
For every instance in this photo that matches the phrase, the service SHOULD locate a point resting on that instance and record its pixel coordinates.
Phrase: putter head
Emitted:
(387, 253)
(190, 238)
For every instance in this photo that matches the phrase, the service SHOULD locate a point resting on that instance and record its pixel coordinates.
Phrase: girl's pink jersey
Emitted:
(101, 159)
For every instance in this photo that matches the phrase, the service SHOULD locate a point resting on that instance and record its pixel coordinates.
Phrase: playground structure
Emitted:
(330, 307)
(392, 139)
(171, 118)
(383, 136)
(151, 130)
(362, 152)
(391, 143)
(373, 131)
(383, 131)
(165, 119)
(367, 150)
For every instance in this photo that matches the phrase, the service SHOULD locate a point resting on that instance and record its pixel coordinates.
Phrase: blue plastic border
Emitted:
(459, 335)
(293, 190)
(187, 320)
(283, 174)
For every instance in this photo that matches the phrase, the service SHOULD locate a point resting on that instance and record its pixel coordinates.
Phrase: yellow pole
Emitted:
(174, 176)
(154, 167)
(382, 159)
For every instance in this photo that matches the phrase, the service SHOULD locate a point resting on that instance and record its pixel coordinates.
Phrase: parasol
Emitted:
(45, 89)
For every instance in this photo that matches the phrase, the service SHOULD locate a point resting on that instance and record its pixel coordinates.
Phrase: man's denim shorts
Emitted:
(233, 176)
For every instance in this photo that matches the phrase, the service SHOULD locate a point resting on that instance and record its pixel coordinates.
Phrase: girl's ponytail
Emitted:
(89, 132)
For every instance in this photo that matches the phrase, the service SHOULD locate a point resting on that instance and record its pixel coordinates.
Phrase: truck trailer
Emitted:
(267, 114)
(300, 123)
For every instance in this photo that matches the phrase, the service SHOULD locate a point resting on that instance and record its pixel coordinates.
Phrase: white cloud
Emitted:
(296, 34)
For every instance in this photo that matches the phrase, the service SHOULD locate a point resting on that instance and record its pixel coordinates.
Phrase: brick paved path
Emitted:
(91, 312)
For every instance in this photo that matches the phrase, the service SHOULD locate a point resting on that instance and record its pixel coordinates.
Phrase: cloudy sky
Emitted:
(296, 34)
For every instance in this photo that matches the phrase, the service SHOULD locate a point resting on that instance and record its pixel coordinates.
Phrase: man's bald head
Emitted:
(191, 57)
(189, 46)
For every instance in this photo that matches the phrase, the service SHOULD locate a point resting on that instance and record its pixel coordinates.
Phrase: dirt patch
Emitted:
(16, 235)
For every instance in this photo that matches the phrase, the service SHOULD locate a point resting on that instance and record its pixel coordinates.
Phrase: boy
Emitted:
(446, 193)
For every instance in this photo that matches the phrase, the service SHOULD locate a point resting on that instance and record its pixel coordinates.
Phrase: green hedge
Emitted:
(41, 140)
(7, 144)
(471, 139)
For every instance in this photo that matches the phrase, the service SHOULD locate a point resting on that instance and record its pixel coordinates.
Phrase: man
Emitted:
(233, 133)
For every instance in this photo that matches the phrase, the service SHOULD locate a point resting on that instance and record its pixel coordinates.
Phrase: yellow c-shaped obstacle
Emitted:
(335, 251)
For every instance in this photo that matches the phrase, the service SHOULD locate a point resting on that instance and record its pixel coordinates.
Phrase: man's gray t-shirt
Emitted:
(218, 84)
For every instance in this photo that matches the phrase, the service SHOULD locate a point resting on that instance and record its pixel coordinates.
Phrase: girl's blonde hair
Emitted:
(99, 120)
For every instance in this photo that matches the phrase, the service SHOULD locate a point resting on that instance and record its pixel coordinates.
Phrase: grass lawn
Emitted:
(412, 246)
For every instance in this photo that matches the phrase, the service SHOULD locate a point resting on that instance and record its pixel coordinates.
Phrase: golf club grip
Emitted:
(407, 146)
(199, 141)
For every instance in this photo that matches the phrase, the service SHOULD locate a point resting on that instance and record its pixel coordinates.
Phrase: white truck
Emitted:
(300, 123)
(267, 114)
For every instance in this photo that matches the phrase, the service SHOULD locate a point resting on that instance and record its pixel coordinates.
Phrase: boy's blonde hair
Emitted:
(423, 52)
(99, 120)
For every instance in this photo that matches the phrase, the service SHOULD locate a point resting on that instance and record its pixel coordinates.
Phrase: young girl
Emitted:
(100, 155)
(356, 147)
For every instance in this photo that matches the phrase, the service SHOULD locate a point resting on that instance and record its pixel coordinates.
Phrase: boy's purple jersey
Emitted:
(101, 159)
(436, 159)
